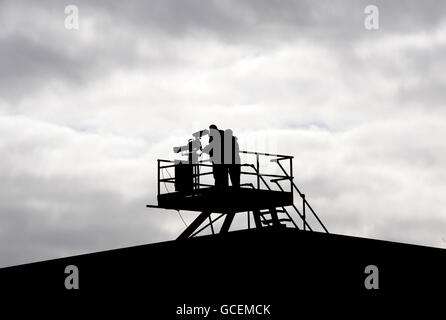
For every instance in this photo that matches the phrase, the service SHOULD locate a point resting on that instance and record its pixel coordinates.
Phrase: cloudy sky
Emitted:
(85, 113)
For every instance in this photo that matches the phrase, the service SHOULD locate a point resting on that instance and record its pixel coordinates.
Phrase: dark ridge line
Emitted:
(236, 233)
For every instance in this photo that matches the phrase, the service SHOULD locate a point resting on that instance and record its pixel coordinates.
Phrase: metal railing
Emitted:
(204, 168)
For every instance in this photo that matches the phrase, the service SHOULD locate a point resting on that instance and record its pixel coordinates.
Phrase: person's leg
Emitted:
(215, 174)
(218, 171)
(225, 176)
(237, 169)
(234, 172)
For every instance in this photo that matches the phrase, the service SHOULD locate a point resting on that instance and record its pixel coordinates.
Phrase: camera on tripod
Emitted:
(187, 171)
(192, 150)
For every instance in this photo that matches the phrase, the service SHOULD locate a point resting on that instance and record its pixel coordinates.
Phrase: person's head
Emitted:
(213, 126)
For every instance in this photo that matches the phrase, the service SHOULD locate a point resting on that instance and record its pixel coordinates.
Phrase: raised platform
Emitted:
(225, 200)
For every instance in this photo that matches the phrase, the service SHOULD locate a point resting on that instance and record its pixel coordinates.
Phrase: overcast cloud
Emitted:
(84, 114)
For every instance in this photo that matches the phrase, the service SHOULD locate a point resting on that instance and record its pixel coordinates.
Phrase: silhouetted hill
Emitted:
(286, 268)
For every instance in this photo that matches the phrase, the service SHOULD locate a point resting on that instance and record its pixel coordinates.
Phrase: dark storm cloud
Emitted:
(27, 63)
(117, 27)
(255, 20)
(38, 51)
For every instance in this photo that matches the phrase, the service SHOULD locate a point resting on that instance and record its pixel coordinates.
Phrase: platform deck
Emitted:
(225, 200)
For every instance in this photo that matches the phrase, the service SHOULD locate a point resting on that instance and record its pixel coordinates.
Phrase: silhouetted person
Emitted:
(215, 149)
(232, 157)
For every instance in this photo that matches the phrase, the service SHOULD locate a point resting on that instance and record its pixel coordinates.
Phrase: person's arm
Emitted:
(207, 149)
(200, 133)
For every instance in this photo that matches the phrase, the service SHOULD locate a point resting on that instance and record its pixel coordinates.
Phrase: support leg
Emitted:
(257, 221)
(194, 225)
(274, 217)
(227, 223)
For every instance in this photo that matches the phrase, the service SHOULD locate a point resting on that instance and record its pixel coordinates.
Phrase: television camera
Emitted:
(192, 149)
(187, 171)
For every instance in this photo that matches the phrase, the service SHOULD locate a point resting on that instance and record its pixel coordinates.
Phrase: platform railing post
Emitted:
(249, 221)
(158, 177)
(258, 171)
(303, 211)
(198, 176)
(291, 177)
